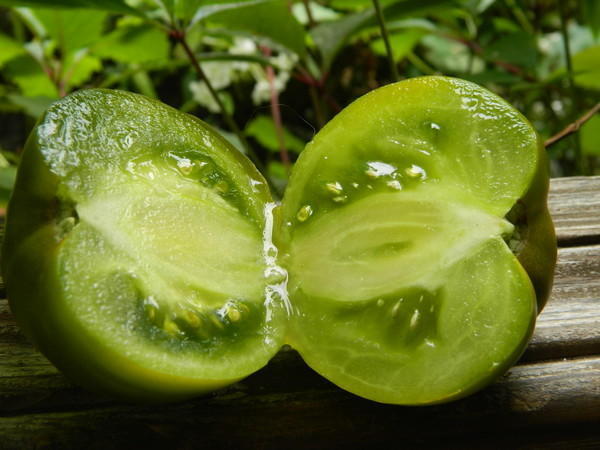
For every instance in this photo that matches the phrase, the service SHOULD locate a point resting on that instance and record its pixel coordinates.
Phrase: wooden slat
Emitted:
(575, 208)
(551, 397)
(544, 394)
(569, 326)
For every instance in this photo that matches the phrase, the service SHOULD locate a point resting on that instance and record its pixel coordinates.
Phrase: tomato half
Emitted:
(412, 250)
(135, 255)
(403, 262)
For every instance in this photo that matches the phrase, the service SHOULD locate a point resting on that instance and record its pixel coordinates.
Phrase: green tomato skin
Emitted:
(538, 253)
(30, 267)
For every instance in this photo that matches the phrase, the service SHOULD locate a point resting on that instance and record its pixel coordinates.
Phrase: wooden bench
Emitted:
(551, 399)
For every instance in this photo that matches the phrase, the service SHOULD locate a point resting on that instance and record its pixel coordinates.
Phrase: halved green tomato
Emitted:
(136, 255)
(409, 281)
(139, 254)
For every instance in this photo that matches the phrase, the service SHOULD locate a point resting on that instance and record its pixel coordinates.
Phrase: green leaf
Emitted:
(262, 128)
(29, 76)
(32, 106)
(7, 180)
(590, 136)
(502, 24)
(478, 6)
(186, 9)
(330, 37)
(10, 49)
(402, 43)
(220, 56)
(493, 76)
(319, 13)
(72, 29)
(80, 68)
(586, 65)
(449, 55)
(107, 5)
(265, 18)
(591, 10)
(133, 44)
(515, 48)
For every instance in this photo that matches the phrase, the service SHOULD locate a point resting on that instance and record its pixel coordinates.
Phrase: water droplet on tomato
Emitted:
(304, 213)
(334, 188)
(378, 169)
(394, 184)
(415, 171)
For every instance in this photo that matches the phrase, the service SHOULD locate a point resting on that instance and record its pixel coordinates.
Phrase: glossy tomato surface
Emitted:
(135, 255)
(146, 258)
(416, 235)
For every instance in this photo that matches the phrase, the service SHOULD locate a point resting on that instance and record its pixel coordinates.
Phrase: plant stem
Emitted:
(579, 160)
(572, 127)
(316, 101)
(180, 37)
(311, 20)
(276, 113)
(520, 16)
(420, 64)
(386, 40)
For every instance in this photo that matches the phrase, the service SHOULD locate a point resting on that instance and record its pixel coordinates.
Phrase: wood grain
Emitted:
(559, 393)
(551, 399)
(569, 325)
(574, 204)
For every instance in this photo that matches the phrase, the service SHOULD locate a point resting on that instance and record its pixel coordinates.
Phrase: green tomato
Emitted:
(134, 254)
(410, 283)
(139, 251)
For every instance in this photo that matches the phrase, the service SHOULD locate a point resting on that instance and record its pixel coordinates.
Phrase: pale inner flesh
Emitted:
(376, 245)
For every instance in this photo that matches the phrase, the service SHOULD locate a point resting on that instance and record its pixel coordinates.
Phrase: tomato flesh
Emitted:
(155, 250)
(146, 258)
(404, 288)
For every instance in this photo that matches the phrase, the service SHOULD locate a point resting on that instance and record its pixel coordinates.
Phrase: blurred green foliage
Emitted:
(282, 68)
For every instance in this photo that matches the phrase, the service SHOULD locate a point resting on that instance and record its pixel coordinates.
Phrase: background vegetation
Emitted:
(270, 73)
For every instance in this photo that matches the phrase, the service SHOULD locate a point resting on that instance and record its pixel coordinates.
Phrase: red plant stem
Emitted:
(276, 112)
(572, 127)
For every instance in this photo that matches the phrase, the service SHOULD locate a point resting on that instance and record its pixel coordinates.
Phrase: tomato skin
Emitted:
(539, 247)
(35, 289)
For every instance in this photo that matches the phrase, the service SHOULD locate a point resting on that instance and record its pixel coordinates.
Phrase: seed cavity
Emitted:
(414, 319)
(222, 187)
(233, 313)
(171, 327)
(396, 308)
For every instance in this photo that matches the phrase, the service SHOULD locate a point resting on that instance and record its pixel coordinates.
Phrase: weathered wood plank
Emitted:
(552, 399)
(569, 326)
(545, 394)
(575, 208)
